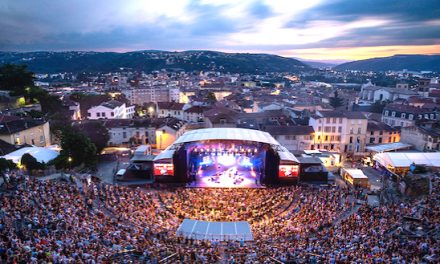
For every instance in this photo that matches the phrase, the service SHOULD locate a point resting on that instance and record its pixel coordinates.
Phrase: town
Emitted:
(223, 132)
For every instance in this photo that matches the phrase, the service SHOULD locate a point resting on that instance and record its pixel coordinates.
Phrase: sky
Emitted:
(308, 29)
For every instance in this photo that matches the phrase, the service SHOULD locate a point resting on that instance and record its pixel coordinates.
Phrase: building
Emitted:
(111, 110)
(157, 132)
(194, 114)
(73, 108)
(141, 96)
(403, 115)
(339, 131)
(221, 117)
(372, 93)
(171, 109)
(424, 137)
(381, 133)
(18, 131)
(294, 138)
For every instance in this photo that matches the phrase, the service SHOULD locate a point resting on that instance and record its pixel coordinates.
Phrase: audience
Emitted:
(86, 222)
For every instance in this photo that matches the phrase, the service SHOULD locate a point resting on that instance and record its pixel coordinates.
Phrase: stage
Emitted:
(225, 171)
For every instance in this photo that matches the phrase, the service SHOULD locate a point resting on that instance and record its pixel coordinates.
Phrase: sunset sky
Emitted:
(309, 29)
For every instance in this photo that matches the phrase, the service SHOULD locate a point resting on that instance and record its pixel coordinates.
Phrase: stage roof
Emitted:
(220, 231)
(228, 134)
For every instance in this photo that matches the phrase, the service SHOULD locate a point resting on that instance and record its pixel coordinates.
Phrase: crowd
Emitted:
(79, 222)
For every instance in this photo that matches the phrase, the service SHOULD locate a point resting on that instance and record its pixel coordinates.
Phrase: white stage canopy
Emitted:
(402, 159)
(39, 153)
(215, 231)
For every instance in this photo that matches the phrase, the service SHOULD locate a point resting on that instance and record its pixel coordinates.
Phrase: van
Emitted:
(120, 174)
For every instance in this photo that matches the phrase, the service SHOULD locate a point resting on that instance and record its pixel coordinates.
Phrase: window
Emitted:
(112, 114)
(340, 120)
(340, 129)
(327, 120)
(351, 130)
(326, 138)
(389, 140)
(319, 137)
(332, 146)
(411, 116)
(359, 130)
(393, 114)
(332, 138)
(338, 138)
(333, 129)
(351, 140)
(89, 114)
(432, 116)
(334, 120)
(319, 128)
(327, 129)
(98, 114)
(371, 132)
(403, 115)
(381, 132)
(386, 113)
(426, 116)
(103, 114)
(124, 134)
(372, 140)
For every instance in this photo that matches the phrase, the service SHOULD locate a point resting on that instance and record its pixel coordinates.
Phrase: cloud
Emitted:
(272, 26)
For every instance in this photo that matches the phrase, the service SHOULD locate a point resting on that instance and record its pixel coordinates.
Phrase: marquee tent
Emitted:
(39, 153)
(220, 231)
(403, 159)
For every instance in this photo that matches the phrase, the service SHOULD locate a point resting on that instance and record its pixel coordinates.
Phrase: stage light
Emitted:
(226, 160)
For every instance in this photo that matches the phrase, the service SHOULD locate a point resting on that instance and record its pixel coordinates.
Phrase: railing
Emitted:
(169, 258)
(276, 260)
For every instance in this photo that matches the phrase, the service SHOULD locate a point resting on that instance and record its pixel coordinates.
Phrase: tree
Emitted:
(336, 101)
(96, 132)
(210, 97)
(6, 165)
(77, 149)
(31, 163)
(16, 79)
(378, 106)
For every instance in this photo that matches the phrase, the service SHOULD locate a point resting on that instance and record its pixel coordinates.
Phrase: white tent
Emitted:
(402, 159)
(39, 153)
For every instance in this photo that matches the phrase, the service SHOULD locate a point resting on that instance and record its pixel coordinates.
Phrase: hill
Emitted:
(151, 60)
(395, 63)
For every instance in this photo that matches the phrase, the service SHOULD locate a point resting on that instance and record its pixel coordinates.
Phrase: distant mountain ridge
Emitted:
(395, 63)
(151, 60)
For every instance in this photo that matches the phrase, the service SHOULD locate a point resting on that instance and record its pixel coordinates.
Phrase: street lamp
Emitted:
(69, 160)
